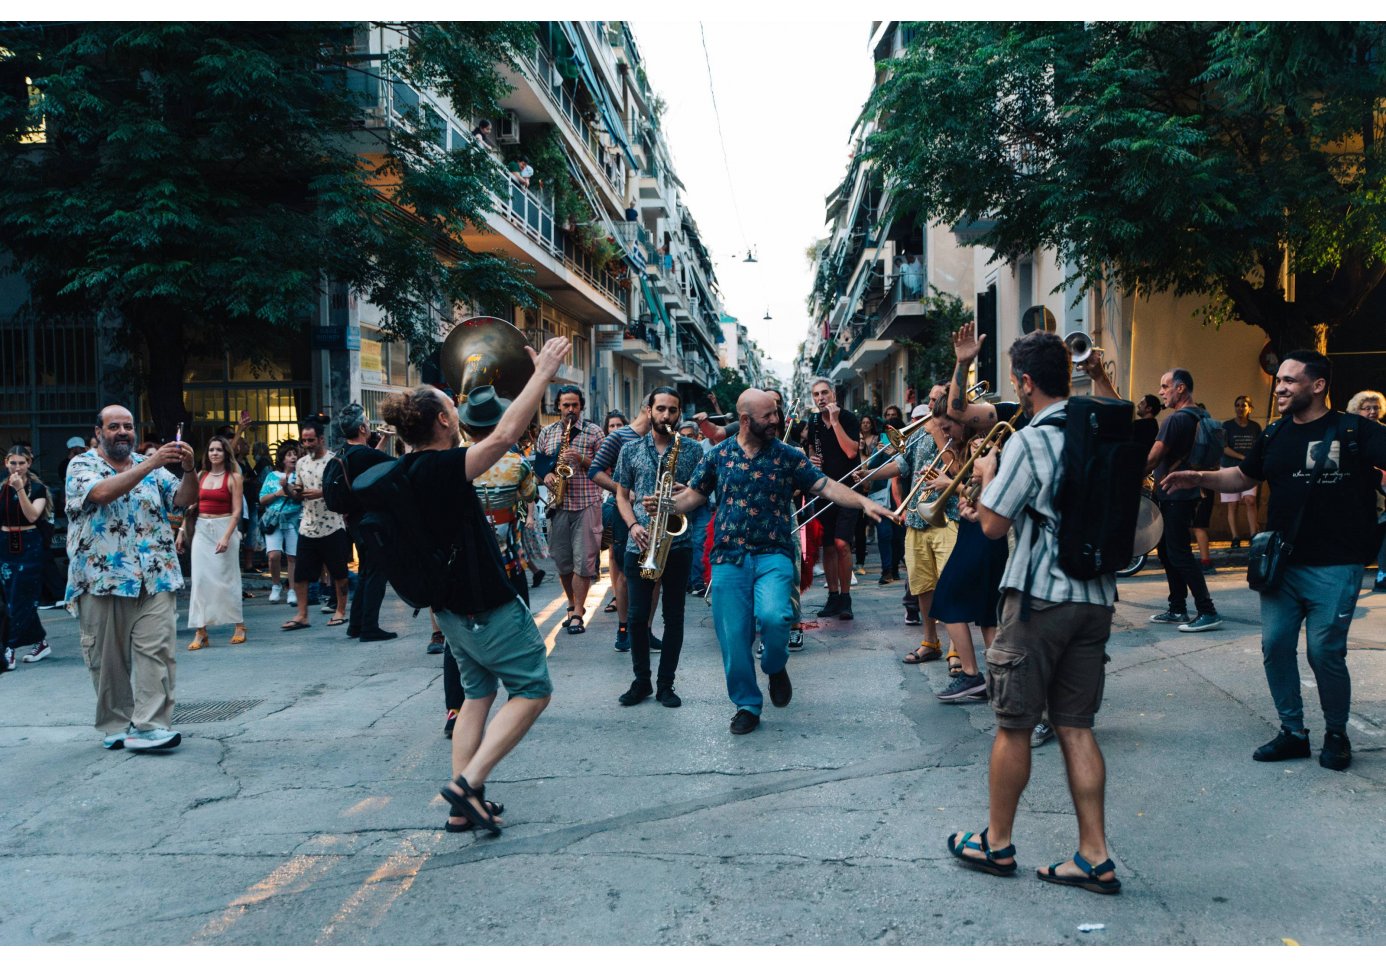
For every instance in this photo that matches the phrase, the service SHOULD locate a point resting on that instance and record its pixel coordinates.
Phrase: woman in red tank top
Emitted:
(215, 598)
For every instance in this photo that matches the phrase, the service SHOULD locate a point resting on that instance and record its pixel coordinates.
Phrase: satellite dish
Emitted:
(1037, 318)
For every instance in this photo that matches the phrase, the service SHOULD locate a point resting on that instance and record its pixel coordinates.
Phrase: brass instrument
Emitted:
(562, 469)
(1081, 347)
(665, 524)
(933, 512)
(927, 475)
(485, 351)
(899, 437)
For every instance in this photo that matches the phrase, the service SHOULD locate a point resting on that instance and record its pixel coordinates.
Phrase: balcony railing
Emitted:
(899, 288)
(542, 70)
(581, 262)
(527, 213)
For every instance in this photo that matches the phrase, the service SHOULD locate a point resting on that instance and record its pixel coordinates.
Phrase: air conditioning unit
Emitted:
(509, 129)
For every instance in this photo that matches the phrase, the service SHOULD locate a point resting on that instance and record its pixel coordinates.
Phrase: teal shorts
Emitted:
(501, 645)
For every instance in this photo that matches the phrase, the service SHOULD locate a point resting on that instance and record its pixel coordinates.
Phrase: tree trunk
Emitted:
(165, 363)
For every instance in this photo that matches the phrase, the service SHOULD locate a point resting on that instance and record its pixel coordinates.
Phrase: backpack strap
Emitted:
(1059, 420)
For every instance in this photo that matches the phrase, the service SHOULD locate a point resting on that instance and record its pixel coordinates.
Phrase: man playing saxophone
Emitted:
(647, 473)
(575, 508)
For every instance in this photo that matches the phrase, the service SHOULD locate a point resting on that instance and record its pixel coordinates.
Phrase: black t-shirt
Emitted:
(1177, 434)
(1144, 430)
(1006, 410)
(835, 462)
(1239, 438)
(11, 513)
(1340, 518)
(454, 517)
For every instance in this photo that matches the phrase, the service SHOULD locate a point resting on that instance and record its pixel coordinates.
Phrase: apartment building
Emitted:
(741, 353)
(611, 243)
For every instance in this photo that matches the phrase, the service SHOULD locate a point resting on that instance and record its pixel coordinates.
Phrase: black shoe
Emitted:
(832, 606)
(353, 633)
(379, 635)
(437, 644)
(1337, 751)
(844, 612)
(638, 692)
(656, 643)
(884, 580)
(912, 616)
(796, 640)
(781, 690)
(668, 697)
(538, 577)
(743, 722)
(1285, 746)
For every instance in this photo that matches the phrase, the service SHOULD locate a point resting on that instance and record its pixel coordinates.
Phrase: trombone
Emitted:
(933, 512)
(927, 475)
(899, 437)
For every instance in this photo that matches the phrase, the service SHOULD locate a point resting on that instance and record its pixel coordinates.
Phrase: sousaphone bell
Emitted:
(485, 351)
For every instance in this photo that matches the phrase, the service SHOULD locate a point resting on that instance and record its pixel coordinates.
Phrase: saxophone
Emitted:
(562, 470)
(665, 525)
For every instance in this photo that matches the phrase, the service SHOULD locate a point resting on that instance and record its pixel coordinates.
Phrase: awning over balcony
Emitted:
(656, 305)
(611, 116)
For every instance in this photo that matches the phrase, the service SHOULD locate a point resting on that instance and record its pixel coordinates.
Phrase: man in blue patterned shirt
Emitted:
(755, 475)
(637, 476)
(123, 578)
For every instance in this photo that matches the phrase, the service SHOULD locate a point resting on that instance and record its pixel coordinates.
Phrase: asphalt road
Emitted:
(312, 815)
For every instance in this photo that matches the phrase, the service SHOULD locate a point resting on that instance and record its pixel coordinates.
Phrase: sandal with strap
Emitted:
(1089, 880)
(927, 652)
(492, 807)
(575, 629)
(463, 802)
(987, 863)
(954, 661)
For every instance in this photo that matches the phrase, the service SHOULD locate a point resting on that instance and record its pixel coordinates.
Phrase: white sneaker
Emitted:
(38, 652)
(152, 739)
(293, 598)
(818, 569)
(854, 579)
(275, 593)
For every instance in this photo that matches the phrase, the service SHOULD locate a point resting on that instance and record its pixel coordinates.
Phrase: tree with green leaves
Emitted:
(1195, 158)
(202, 183)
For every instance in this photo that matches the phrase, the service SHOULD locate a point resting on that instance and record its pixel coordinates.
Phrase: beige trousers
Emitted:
(121, 635)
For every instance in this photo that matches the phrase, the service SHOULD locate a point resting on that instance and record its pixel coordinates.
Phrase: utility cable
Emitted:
(722, 139)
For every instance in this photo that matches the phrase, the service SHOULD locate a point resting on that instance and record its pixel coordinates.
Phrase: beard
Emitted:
(118, 450)
(765, 431)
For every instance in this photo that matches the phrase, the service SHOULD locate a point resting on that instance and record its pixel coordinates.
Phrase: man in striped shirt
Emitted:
(1051, 646)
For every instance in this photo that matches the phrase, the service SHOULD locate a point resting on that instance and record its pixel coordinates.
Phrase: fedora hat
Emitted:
(483, 408)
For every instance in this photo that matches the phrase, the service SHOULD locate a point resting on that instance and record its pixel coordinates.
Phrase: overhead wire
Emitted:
(721, 138)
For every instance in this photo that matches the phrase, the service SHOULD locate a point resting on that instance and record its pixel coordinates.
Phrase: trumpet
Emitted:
(933, 512)
(928, 474)
(899, 437)
(1081, 348)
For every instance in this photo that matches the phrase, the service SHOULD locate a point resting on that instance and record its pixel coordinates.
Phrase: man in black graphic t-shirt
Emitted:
(1335, 536)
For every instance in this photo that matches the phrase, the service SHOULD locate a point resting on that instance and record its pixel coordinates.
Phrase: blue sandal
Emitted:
(1091, 879)
(987, 863)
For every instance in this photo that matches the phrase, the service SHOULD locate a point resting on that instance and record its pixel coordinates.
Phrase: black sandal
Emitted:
(462, 801)
(492, 807)
(577, 629)
(987, 863)
(1089, 880)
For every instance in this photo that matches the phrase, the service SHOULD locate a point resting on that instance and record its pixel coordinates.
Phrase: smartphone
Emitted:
(178, 434)
(245, 414)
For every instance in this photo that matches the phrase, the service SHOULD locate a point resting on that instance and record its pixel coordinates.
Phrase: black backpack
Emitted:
(1099, 489)
(336, 487)
(393, 530)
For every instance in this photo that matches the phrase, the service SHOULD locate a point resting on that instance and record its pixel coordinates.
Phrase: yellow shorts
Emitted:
(926, 552)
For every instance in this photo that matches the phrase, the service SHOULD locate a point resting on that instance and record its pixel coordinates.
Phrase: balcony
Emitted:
(901, 310)
(643, 342)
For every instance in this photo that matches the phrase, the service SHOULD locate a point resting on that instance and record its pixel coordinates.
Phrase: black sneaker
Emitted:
(639, 691)
(437, 644)
(844, 611)
(781, 690)
(796, 640)
(667, 697)
(656, 643)
(1337, 751)
(1285, 746)
(538, 577)
(965, 688)
(912, 616)
(744, 721)
(832, 606)
(884, 580)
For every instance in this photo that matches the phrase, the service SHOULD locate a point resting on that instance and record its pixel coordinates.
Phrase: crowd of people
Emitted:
(743, 513)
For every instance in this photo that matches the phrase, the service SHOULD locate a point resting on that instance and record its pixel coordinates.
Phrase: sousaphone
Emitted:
(485, 351)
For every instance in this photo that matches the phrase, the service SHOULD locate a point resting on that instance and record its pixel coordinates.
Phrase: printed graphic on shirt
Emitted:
(1332, 469)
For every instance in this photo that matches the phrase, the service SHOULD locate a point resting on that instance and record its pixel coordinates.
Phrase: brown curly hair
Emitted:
(413, 414)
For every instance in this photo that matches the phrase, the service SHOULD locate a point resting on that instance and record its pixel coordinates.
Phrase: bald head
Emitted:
(759, 414)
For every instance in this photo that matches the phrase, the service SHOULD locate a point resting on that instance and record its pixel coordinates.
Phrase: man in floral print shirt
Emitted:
(755, 475)
(123, 578)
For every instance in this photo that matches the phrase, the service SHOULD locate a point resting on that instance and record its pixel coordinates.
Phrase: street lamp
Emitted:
(767, 313)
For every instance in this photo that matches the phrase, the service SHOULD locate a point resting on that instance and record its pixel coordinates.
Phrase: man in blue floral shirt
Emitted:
(123, 578)
(755, 475)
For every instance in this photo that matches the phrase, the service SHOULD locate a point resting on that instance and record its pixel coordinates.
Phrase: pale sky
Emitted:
(788, 93)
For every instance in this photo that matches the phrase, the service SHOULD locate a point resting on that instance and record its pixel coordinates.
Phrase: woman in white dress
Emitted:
(216, 568)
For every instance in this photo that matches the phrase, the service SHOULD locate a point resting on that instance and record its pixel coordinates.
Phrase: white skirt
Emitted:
(216, 578)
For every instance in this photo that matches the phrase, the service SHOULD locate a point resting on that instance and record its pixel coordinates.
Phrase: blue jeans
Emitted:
(885, 541)
(21, 573)
(697, 528)
(756, 590)
(1322, 597)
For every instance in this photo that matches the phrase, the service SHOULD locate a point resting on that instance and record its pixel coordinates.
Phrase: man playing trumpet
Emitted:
(639, 476)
